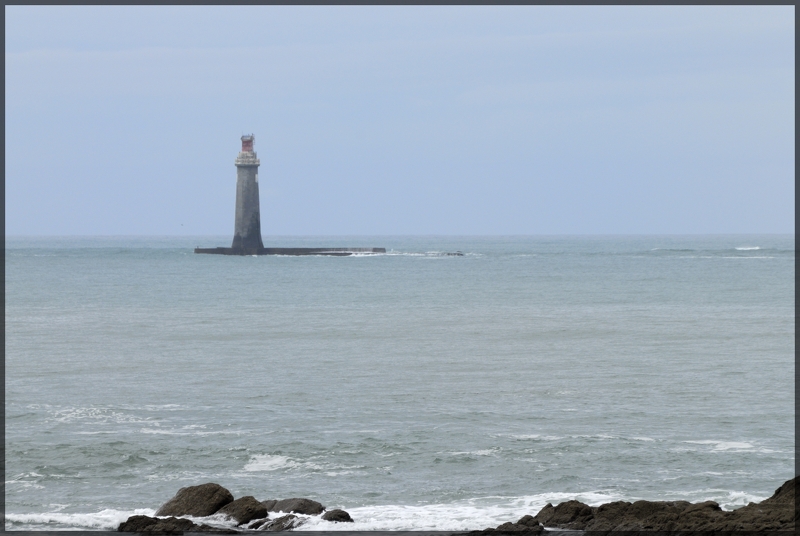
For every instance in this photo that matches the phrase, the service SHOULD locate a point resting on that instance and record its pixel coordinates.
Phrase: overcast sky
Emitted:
(401, 120)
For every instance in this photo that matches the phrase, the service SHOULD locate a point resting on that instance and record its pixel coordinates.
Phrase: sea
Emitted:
(414, 389)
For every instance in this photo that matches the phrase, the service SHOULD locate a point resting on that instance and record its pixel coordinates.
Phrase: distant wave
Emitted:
(723, 445)
(729, 446)
(747, 248)
(270, 462)
(266, 462)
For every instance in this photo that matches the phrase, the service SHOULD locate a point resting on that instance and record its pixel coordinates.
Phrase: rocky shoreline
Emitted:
(775, 514)
(247, 512)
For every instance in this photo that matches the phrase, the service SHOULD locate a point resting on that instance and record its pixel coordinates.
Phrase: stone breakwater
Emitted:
(776, 514)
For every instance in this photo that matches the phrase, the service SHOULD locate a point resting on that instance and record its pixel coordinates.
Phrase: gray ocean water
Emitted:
(413, 389)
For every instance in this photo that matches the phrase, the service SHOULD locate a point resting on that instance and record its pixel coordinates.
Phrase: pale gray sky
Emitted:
(401, 120)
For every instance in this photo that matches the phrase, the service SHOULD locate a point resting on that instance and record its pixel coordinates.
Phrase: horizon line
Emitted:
(429, 235)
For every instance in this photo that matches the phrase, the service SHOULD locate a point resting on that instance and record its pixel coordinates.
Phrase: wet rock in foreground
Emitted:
(196, 501)
(526, 526)
(298, 506)
(269, 504)
(775, 514)
(573, 514)
(337, 516)
(287, 522)
(244, 509)
(170, 525)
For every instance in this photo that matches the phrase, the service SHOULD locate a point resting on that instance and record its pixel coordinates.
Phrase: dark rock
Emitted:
(136, 524)
(528, 521)
(784, 495)
(526, 526)
(573, 515)
(607, 516)
(287, 522)
(217, 530)
(776, 513)
(509, 528)
(516, 529)
(709, 506)
(298, 506)
(149, 524)
(171, 525)
(257, 523)
(269, 504)
(244, 510)
(338, 516)
(196, 501)
(671, 517)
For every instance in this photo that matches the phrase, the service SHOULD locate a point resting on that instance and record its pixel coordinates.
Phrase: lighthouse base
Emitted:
(335, 252)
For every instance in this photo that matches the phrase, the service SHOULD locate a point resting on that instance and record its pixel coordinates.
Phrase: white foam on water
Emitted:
(594, 436)
(737, 499)
(457, 516)
(725, 445)
(426, 254)
(269, 462)
(20, 481)
(535, 437)
(107, 519)
(24, 484)
(276, 462)
(748, 248)
(727, 499)
(162, 432)
(159, 407)
(473, 514)
(215, 520)
(484, 452)
(733, 445)
(98, 415)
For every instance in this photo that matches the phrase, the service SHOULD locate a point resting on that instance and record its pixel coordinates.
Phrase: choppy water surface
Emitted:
(415, 390)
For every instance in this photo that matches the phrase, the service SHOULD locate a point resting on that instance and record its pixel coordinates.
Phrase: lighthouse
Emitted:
(247, 227)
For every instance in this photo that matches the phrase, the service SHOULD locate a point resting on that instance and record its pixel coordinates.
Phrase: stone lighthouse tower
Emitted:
(247, 230)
